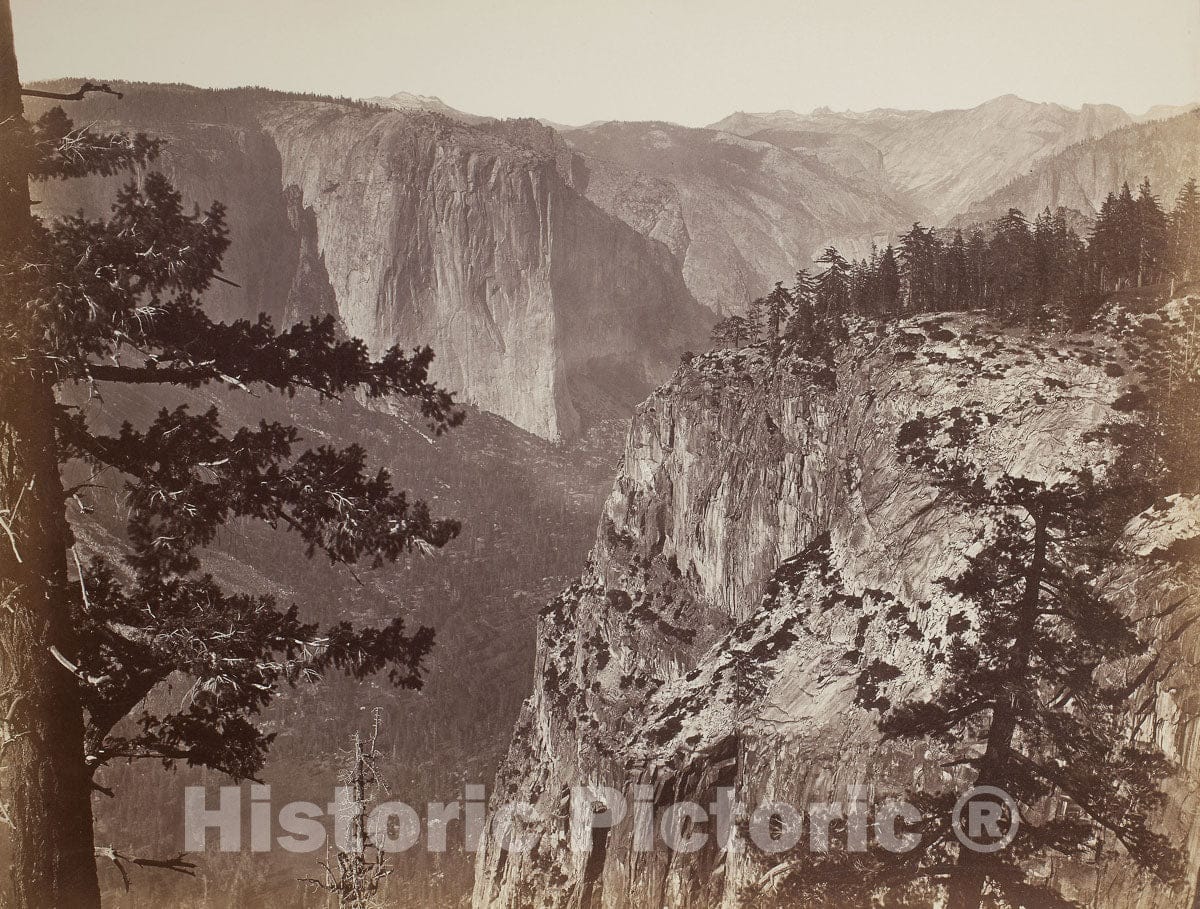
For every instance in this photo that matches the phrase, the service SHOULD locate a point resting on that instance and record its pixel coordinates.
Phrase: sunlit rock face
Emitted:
(414, 228)
(480, 247)
(763, 544)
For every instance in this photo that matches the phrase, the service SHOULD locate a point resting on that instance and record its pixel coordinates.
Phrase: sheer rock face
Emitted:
(482, 249)
(762, 545)
(416, 229)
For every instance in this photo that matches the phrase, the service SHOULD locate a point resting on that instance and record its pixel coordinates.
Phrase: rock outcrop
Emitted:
(762, 544)
(410, 101)
(418, 229)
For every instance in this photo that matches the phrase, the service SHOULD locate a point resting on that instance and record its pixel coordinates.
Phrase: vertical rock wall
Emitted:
(761, 547)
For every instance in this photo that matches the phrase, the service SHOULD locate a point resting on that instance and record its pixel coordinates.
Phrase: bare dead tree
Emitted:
(354, 880)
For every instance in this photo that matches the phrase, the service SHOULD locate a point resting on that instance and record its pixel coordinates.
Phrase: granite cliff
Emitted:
(761, 546)
(418, 229)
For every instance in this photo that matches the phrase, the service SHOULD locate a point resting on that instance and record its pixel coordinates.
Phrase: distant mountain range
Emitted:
(751, 198)
(559, 272)
(1164, 111)
(738, 213)
(942, 161)
(1081, 175)
(755, 195)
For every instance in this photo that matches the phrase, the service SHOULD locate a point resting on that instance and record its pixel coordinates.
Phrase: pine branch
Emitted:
(60, 150)
(238, 649)
(191, 350)
(325, 494)
(152, 374)
(1131, 836)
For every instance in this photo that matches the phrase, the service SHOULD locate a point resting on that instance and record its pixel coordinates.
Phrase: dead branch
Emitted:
(76, 95)
(77, 671)
(87, 604)
(176, 864)
(4, 525)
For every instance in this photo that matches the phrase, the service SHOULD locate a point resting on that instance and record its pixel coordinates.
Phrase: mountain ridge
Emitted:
(408, 101)
(1165, 151)
(420, 229)
(738, 212)
(399, 214)
(941, 161)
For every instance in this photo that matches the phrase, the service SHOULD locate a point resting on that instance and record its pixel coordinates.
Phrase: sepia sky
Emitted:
(689, 61)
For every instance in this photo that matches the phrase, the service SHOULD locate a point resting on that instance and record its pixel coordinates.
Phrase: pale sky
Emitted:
(688, 61)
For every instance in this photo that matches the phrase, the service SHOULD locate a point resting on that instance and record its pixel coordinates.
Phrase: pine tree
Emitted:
(1152, 236)
(977, 287)
(729, 331)
(802, 324)
(1028, 698)
(1128, 244)
(1044, 254)
(889, 283)
(864, 284)
(1024, 672)
(956, 278)
(96, 302)
(756, 320)
(1105, 245)
(777, 307)
(920, 268)
(1011, 274)
(833, 284)
(804, 289)
(1184, 229)
(1059, 265)
(1070, 285)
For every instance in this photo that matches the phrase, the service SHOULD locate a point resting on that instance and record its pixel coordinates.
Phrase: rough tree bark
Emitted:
(45, 785)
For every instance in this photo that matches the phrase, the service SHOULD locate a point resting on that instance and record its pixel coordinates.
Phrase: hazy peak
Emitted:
(432, 103)
(1166, 111)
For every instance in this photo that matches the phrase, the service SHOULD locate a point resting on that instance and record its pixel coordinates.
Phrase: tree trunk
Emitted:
(965, 890)
(45, 786)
